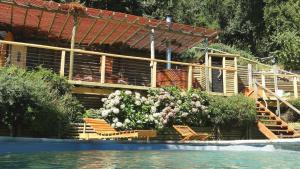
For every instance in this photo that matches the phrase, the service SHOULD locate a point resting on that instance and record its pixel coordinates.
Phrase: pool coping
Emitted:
(194, 142)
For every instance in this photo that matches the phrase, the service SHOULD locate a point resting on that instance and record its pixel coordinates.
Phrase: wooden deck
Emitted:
(99, 73)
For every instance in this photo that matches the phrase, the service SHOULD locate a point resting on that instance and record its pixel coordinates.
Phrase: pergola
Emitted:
(96, 26)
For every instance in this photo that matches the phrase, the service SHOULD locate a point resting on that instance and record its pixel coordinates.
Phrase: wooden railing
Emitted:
(94, 68)
(278, 98)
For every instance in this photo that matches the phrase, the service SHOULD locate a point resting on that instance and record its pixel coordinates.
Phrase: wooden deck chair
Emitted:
(105, 131)
(189, 134)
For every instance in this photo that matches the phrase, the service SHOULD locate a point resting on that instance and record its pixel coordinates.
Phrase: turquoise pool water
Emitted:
(43, 154)
(152, 159)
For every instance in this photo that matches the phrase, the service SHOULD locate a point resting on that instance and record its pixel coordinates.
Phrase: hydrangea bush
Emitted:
(160, 108)
(164, 107)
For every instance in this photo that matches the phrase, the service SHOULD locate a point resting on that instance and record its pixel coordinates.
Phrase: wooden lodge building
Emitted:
(100, 51)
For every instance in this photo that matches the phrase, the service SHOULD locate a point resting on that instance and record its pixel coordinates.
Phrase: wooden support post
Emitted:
(263, 83)
(207, 72)
(102, 73)
(153, 78)
(250, 76)
(153, 71)
(72, 47)
(236, 82)
(295, 84)
(210, 73)
(84, 128)
(275, 72)
(224, 76)
(190, 78)
(62, 63)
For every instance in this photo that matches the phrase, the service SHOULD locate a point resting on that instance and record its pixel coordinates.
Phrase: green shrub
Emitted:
(290, 115)
(36, 100)
(168, 106)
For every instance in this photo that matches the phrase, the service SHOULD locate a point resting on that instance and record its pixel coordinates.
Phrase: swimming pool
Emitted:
(111, 154)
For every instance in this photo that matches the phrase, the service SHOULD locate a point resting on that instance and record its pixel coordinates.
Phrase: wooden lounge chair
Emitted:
(189, 134)
(105, 131)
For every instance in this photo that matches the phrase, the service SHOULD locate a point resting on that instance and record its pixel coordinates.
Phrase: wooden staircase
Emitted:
(272, 126)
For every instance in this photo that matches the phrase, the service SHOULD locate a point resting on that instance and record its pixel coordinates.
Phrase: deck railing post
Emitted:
(224, 76)
(263, 82)
(236, 83)
(295, 84)
(153, 74)
(275, 72)
(62, 63)
(190, 77)
(207, 72)
(250, 76)
(102, 73)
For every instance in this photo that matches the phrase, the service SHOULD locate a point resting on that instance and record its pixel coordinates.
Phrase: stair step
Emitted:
(284, 131)
(277, 121)
(278, 126)
(266, 116)
(285, 136)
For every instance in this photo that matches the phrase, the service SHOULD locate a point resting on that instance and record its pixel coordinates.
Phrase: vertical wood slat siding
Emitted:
(229, 77)
(243, 80)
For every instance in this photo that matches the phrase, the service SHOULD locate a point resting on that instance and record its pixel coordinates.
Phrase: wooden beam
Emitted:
(236, 80)
(25, 17)
(92, 91)
(39, 22)
(99, 32)
(224, 76)
(295, 83)
(210, 72)
(102, 73)
(108, 85)
(153, 77)
(140, 39)
(121, 34)
(51, 23)
(72, 47)
(62, 63)
(190, 78)
(250, 76)
(207, 72)
(223, 55)
(64, 25)
(109, 34)
(88, 31)
(129, 37)
(12, 15)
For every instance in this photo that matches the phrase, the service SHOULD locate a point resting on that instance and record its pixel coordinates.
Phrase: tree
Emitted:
(37, 100)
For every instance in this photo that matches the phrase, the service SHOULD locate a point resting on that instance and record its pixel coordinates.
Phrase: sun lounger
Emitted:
(189, 134)
(105, 131)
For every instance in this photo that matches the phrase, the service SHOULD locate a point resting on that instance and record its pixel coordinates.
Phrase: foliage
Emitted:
(290, 115)
(37, 100)
(165, 107)
(236, 110)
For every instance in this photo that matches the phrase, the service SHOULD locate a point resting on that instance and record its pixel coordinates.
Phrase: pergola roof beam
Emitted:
(64, 25)
(99, 32)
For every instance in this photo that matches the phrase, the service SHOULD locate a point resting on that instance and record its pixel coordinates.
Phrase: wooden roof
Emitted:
(97, 27)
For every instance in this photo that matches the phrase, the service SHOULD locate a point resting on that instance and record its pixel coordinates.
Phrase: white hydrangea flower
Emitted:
(103, 99)
(198, 104)
(151, 118)
(113, 125)
(119, 124)
(184, 114)
(176, 109)
(104, 113)
(115, 120)
(126, 121)
(179, 102)
(128, 92)
(194, 110)
(195, 95)
(147, 102)
(139, 122)
(182, 94)
(170, 114)
(122, 106)
(165, 121)
(117, 92)
(155, 115)
(138, 103)
(153, 109)
(115, 110)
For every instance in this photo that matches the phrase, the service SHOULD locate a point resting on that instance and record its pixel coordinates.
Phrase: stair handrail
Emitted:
(279, 98)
